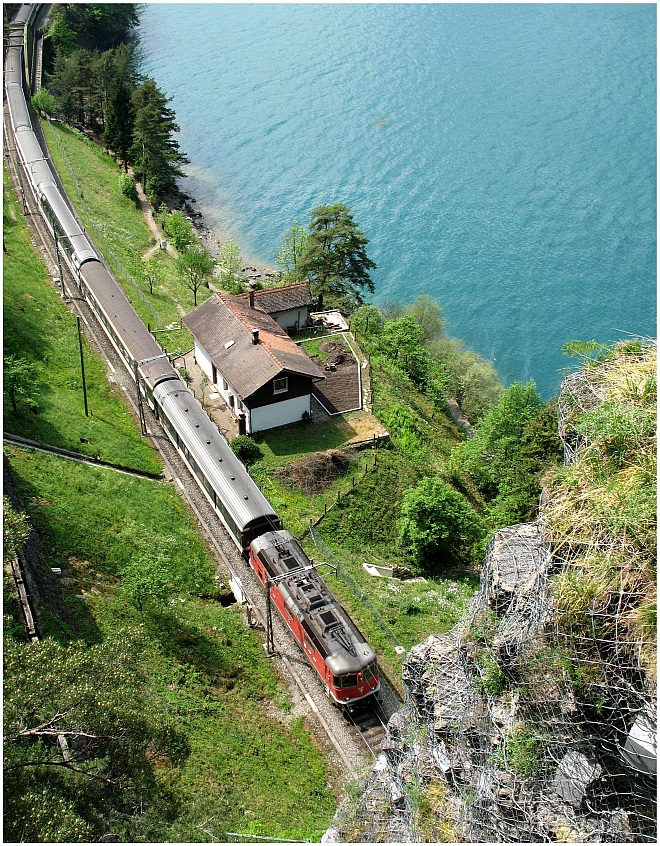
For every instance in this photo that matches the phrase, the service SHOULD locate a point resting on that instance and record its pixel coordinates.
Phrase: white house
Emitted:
(265, 378)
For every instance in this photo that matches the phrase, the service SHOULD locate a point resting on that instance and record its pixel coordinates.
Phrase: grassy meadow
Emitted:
(126, 237)
(39, 329)
(202, 662)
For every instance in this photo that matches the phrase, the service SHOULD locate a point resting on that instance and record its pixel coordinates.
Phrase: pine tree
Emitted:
(119, 122)
(335, 259)
(155, 151)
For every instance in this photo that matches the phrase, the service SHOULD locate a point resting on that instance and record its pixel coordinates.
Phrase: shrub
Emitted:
(436, 521)
(179, 230)
(246, 449)
(127, 187)
(43, 101)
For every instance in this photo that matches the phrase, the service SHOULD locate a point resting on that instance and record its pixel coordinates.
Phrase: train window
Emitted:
(370, 672)
(308, 642)
(168, 425)
(208, 486)
(194, 467)
(341, 682)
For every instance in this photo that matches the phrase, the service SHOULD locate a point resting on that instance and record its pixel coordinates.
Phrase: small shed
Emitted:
(288, 305)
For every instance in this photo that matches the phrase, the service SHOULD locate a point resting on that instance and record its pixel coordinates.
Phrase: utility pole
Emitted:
(82, 365)
(270, 642)
(143, 422)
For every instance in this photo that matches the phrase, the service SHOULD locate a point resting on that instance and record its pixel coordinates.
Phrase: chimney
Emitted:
(255, 336)
(251, 295)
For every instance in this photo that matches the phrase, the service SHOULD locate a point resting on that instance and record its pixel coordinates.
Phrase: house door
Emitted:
(214, 374)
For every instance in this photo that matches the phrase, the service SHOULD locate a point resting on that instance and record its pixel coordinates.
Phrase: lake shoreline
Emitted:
(213, 237)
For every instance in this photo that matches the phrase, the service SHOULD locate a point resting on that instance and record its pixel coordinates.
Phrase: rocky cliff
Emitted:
(533, 720)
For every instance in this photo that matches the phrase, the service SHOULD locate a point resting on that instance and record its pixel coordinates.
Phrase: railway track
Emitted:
(352, 739)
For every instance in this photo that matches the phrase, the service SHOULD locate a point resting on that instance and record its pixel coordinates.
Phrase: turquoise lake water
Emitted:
(501, 158)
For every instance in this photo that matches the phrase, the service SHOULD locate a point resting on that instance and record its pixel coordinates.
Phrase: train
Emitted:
(332, 643)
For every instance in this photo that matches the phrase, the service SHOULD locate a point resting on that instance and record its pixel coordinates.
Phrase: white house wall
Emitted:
(285, 319)
(278, 414)
(206, 365)
(204, 361)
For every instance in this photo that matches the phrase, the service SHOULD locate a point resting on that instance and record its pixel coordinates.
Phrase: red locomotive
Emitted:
(329, 638)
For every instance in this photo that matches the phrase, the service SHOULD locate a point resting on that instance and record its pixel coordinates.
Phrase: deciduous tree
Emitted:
(437, 526)
(293, 248)
(18, 379)
(229, 262)
(427, 314)
(178, 229)
(43, 101)
(147, 579)
(81, 734)
(196, 266)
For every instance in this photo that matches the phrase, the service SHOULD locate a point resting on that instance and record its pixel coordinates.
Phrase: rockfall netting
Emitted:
(534, 719)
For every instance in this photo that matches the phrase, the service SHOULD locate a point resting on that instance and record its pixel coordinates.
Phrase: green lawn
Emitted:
(39, 329)
(282, 446)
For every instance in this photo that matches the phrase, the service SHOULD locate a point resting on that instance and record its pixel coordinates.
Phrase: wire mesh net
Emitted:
(534, 719)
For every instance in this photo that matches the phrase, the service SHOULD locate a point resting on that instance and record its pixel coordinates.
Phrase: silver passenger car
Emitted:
(239, 503)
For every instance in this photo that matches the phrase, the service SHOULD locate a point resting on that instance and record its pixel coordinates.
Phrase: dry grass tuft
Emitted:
(600, 509)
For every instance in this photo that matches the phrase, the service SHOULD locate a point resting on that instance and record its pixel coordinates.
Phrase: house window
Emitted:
(281, 386)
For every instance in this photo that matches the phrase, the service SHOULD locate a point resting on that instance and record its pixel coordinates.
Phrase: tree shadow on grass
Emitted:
(188, 645)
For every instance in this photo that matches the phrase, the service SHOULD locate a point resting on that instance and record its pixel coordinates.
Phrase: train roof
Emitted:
(33, 155)
(224, 471)
(24, 14)
(118, 310)
(306, 595)
(18, 110)
(14, 64)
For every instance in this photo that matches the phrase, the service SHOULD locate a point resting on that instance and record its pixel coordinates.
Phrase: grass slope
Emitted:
(125, 235)
(205, 665)
(38, 328)
(202, 662)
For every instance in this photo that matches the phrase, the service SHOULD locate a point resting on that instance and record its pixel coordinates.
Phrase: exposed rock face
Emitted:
(501, 738)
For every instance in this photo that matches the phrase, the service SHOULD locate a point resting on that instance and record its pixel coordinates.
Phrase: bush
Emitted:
(179, 230)
(437, 522)
(246, 449)
(127, 187)
(43, 101)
